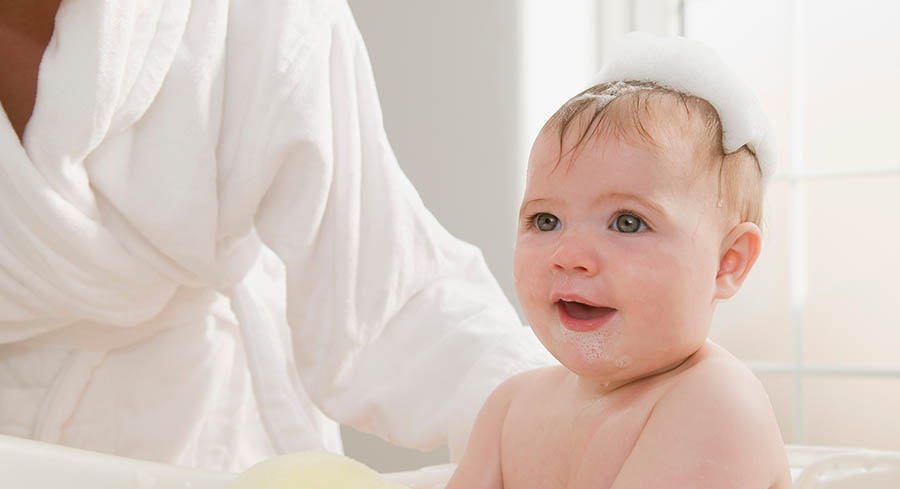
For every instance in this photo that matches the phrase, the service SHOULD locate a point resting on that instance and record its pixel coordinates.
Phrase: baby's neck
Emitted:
(600, 387)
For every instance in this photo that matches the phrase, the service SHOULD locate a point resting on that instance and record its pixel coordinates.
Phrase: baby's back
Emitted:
(702, 418)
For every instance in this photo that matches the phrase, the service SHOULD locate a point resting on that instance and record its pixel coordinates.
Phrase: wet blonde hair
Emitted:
(632, 110)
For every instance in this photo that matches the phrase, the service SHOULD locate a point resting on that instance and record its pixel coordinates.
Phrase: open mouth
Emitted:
(581, 317)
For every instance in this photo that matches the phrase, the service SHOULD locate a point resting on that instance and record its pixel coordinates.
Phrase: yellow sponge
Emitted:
(310, 470)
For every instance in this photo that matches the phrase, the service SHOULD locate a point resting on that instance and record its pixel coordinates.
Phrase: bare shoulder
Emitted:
(480, 467)
(524, 385)
(719, 381)
(520, 386)
(712, 427)
(535, 379)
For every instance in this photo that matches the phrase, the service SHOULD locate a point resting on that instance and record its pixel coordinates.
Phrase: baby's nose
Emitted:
(575, 255)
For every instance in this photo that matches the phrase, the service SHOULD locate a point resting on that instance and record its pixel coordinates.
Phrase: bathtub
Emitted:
(36, 465)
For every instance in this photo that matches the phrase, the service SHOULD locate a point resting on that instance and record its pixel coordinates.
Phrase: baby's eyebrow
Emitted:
(656, 208)
(529, 202)
(627, 196)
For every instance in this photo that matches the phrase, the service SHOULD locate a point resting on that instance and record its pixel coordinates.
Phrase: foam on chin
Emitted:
(597, 345)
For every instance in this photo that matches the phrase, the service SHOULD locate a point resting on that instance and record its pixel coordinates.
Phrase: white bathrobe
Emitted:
(206, 243)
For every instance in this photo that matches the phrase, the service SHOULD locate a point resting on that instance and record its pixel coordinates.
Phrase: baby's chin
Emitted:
(599, 348)
(596, 366)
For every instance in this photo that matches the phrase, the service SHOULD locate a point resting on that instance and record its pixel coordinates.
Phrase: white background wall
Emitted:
(447, 74)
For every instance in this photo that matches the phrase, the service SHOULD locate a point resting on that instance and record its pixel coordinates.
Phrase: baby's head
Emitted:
(662, 120)
(635, 222)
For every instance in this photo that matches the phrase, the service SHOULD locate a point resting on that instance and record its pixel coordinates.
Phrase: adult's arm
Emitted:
(397, 327)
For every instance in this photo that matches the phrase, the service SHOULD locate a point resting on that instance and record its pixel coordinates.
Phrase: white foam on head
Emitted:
(691, 67)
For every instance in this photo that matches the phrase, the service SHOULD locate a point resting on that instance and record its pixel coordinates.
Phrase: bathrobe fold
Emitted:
(216, 176)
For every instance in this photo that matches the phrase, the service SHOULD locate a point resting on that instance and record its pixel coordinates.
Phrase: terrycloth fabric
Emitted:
(206, 244)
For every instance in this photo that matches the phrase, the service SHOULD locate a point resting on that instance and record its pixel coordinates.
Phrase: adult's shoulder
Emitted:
(287, 20)
(279, 58)
(278, 34)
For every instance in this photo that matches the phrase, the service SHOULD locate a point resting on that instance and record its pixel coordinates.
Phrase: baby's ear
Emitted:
(740, 248)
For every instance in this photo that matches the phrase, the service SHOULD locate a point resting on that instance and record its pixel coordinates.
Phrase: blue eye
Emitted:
(545, 222)
(629, 223)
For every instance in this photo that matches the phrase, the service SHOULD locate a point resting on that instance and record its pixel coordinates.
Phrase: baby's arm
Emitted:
(480, 464)
(713, 429)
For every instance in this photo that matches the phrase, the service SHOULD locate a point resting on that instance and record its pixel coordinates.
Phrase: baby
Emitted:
(641, 212)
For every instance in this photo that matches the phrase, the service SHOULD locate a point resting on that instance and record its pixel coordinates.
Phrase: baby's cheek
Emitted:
(526, 273)
(531, 290)
(658, 289)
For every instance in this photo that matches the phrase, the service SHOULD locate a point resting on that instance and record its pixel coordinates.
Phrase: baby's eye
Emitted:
(629, 223)
(545, 222)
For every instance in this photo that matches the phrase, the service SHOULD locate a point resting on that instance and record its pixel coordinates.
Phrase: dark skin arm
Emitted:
(25, 29)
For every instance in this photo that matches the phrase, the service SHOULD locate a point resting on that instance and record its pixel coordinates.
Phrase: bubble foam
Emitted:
(693, 68)
(623, 362)
(597, 345)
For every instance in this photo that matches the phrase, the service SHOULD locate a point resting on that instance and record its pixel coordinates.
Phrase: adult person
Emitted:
(208, 253)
